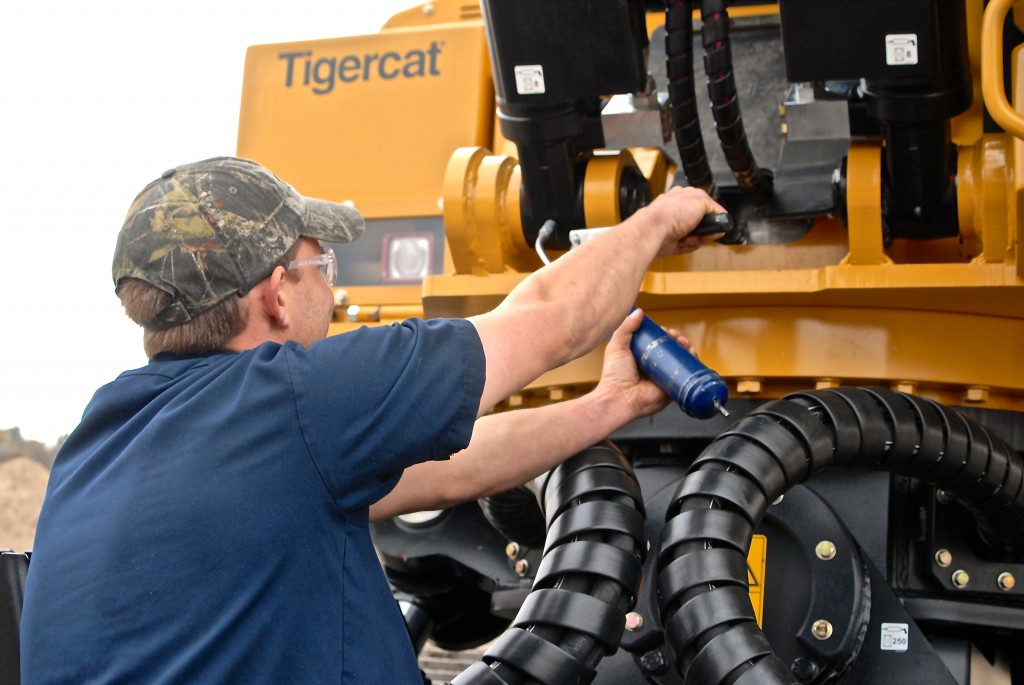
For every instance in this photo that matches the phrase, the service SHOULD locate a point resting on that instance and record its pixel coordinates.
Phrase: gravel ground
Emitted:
(22, 485)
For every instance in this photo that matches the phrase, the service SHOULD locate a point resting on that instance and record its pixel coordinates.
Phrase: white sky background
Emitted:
(97, 98)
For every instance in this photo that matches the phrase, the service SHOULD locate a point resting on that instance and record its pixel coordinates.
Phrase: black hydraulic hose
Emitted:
(702, 577)
(588, 578)
(516, 514)
(725, 103)
(682, 95)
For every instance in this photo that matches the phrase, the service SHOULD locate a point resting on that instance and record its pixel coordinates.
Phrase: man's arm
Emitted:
(564, 310)
(514, 447)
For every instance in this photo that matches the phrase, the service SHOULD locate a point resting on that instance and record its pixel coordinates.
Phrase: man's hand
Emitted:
(620, 378)
(681, 209)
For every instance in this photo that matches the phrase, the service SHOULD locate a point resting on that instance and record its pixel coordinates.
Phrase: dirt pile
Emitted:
(22, 485)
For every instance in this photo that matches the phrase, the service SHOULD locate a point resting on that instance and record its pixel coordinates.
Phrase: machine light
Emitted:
(407, 256)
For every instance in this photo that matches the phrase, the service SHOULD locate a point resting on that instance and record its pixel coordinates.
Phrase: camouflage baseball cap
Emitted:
(208, 230)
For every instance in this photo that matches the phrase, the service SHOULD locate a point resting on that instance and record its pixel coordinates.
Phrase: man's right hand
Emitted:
(679, 210)
(564, 310)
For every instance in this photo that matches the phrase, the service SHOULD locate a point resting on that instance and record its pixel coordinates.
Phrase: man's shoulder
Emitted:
(443, 332)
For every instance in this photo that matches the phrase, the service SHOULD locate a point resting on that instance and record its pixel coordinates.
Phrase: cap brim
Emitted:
(333, 222)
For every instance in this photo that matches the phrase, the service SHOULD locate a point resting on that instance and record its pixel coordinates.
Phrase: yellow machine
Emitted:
(870, 301)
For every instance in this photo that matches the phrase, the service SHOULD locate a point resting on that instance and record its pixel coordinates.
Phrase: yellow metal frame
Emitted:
(944, 318)
(992, 68)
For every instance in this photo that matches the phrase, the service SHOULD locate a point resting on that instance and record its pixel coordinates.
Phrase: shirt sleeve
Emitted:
(374, 401)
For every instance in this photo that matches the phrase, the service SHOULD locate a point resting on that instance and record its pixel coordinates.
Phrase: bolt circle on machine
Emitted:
(512, 550)
(825, 550)
(943, 558)
(522, 567)
(634, 621)
(1006, 581)
(821, 629)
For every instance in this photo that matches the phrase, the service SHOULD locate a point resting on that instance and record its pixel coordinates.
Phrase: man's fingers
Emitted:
(682, 340)
(631, 323)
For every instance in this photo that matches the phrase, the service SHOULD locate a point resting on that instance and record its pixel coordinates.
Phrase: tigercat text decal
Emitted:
(321, 74)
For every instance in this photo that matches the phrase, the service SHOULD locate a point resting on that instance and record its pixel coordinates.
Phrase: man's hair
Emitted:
(206, 332)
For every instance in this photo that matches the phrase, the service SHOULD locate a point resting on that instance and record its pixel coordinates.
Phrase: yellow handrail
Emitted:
(992, 68)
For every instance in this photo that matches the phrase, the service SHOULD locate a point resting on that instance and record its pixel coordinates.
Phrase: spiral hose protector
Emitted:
(586, 582)
(683, 96)
(702, 573)
(516, 515)
(725, 103)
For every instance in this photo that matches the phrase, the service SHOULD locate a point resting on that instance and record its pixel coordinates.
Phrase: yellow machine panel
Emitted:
(368, 119)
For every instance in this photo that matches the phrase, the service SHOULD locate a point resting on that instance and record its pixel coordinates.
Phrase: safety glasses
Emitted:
(326, 262)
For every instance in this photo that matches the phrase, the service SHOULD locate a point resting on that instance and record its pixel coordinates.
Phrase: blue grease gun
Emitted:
(699, 391)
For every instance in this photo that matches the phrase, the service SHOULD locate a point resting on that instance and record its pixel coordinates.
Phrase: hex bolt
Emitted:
(634, 621)
(522, 567)
(804, 669)
(821, 629)
(976, 394)
(944, 558)
(943, 497)
(748, 385)
(654, 662)
(1006, 581)
(908, 387)
(826, 550)
(961, 578)
(512, 550)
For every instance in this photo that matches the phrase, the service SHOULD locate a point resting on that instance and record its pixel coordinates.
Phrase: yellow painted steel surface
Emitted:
(943, 318)
(368, 119)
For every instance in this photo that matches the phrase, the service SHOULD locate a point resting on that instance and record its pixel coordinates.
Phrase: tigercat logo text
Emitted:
(320, 74)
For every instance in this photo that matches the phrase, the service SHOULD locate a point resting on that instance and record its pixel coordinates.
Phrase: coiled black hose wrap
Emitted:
(586, 582)
(702, 573)
(725, 105)
(683, 96)
(516, 514)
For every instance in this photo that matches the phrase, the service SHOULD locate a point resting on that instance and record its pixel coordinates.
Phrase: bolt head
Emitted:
(804, 669)
(961, 578)
(634, 621)
(654, 662)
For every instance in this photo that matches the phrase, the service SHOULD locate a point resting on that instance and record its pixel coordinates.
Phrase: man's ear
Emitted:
(273, 299)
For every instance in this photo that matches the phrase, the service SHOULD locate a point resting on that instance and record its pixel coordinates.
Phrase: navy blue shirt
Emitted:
(207, 520)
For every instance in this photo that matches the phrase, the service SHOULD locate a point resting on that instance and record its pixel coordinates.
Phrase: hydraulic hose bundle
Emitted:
(702, 580)
(725, 104)
(754, 181)
(588, 578)
(683, 96)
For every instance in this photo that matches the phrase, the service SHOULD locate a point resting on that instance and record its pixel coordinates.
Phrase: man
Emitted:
(207, 521)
